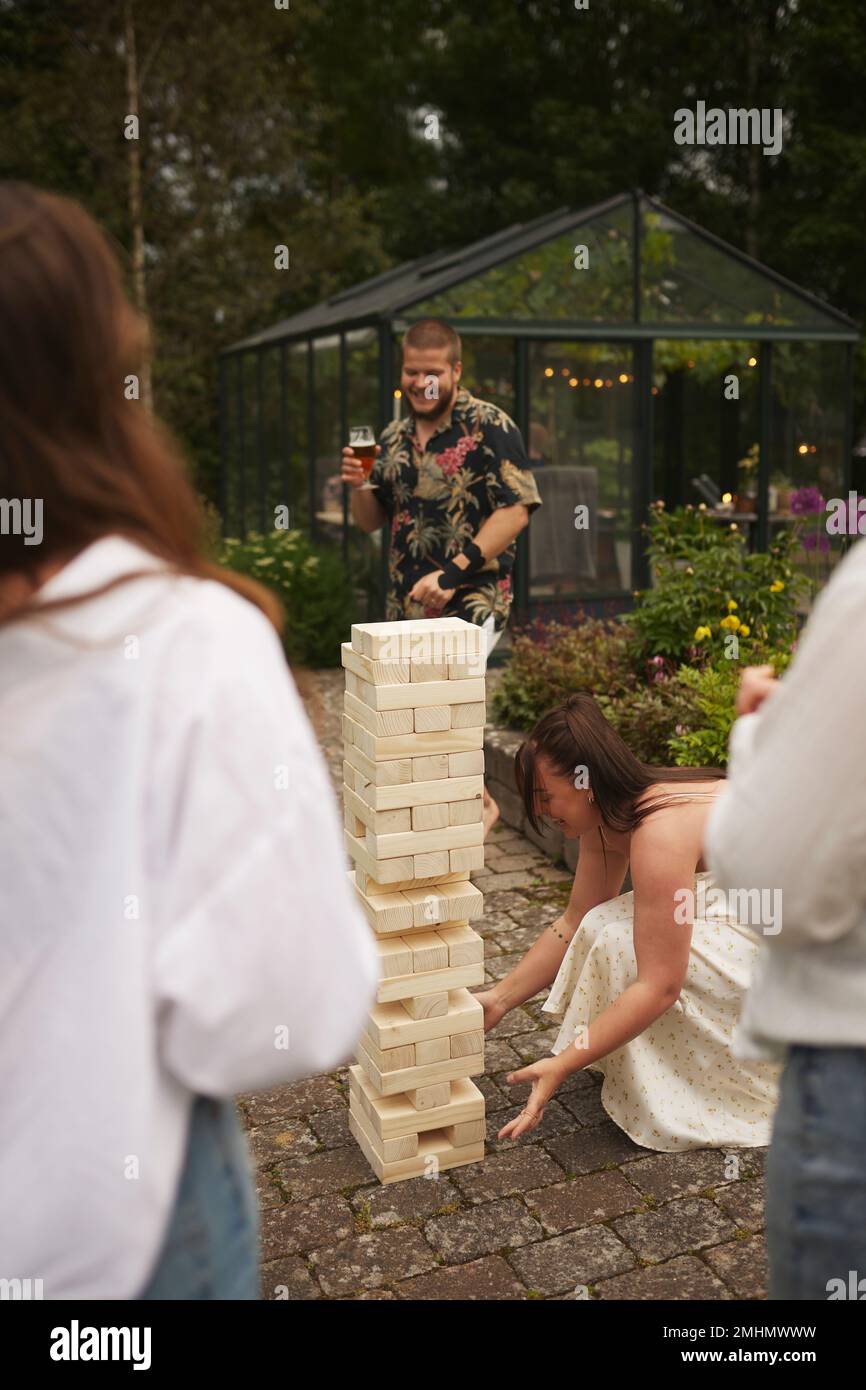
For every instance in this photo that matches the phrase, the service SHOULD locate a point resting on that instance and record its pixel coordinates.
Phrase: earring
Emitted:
(591, 799)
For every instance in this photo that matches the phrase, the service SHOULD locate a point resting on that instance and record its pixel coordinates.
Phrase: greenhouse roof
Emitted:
(538, 278)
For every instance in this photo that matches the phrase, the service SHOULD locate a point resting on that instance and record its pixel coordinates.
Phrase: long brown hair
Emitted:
(577, 735)
(99, 462)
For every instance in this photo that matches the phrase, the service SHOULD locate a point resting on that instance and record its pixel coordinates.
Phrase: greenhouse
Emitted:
(642, 358)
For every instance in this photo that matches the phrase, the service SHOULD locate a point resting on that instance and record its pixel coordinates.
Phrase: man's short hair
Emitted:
(434, 333)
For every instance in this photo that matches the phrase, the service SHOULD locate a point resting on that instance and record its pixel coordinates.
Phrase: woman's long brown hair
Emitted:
(577, 735)
(99, 462)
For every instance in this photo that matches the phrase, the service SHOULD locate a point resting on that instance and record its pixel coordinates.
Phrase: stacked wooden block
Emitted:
(413, 774)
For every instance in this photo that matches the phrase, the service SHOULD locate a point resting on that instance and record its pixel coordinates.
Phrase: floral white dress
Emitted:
(676, 1085)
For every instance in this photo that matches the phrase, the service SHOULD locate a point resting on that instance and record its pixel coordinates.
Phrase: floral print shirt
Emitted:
(438, 498)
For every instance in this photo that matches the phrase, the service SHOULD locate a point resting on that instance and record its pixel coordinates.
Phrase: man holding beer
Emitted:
(452, 480)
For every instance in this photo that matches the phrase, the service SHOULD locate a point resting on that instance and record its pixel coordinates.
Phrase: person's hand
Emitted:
(545, 1076)
(351, 469)
(427, 592)
(756, 683)
(493, 1007)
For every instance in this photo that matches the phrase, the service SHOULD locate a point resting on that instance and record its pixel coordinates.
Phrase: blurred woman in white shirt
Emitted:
(176, 925)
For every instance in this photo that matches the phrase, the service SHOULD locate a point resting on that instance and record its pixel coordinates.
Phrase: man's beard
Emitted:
(439, 407)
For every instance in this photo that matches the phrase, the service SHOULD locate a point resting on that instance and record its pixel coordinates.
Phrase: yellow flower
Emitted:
(776, 587)
(730, 622)
(701, 632)
(731, 605)
(744, 630)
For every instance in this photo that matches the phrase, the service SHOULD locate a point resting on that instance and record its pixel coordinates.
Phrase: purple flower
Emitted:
(810, 541)
(807, 501)
(657, 660)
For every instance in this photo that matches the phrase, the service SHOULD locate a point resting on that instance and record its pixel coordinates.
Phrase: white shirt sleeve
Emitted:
(793, 813)
(266, 967)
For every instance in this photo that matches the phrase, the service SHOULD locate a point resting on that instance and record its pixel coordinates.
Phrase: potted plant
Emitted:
(782, 483)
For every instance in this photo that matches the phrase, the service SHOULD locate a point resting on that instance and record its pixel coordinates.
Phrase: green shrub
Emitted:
(551, 661)
(708, 589)
(700, 738)
(313, 585)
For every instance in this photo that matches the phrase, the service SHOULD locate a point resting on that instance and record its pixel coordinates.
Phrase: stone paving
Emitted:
(573, 1210)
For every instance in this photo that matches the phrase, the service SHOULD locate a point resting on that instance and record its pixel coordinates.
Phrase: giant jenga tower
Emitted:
(413, 732)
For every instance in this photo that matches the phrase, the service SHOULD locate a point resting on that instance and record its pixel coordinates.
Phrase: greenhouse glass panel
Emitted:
(807, 432)
(687, 279)
(580, 443)
(364, 551)
(705, 424)
(327, 487)
(297, 432)
(545, 283)
(488, 370)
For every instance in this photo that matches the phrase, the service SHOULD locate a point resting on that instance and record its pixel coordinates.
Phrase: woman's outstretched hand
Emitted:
(545, 1076)
(493, 1007)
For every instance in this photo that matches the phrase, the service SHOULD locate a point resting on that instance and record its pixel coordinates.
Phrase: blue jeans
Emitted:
(816, 1173)
(210, 1247)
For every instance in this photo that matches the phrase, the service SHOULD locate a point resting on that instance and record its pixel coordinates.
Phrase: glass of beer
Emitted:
(362, 442)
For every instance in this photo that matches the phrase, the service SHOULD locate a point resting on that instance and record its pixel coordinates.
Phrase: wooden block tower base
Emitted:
(413, 783)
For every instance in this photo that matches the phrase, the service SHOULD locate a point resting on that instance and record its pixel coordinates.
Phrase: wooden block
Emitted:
(468, 716)
(466, 1132)
(465, 946)
(346, 730)
(414, 745)
(391, 1025)
(384, 871)
(423, 639)
(380, 822)
(467, 1044)
(408, 695)
(423, 841)
(381, 723)
(425, 1005)
(352, 823)
(465, 812)
(435, 1153)
(394, 1058)
(433, 1050)
(407, 1079)
(466, 764)
(427, 951)
(433, 717)
(433, 817)
(368, 884)
(389, 912)
(434, 864)
(397, 958)
(471, 858)
(422, 671)
(390, 1116)
(405, 1147)
(393, 772)
(445, 903)
(409, 794)
(409, 987)
(426, 1097)
(374, 672)
(470, 669)
(348, 776)
(430, 768)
